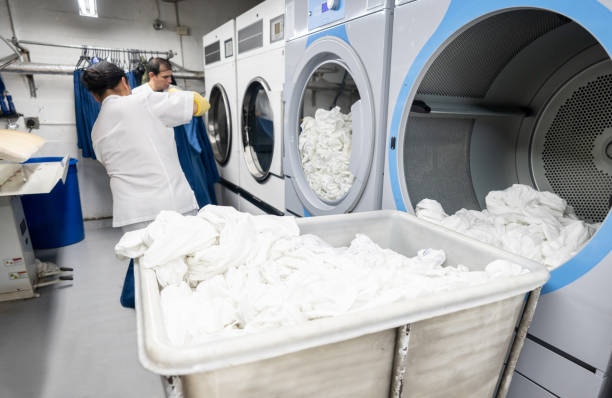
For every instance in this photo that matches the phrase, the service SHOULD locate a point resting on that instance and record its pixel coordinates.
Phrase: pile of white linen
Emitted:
(236, 273)
(325, 150)
(537, 225)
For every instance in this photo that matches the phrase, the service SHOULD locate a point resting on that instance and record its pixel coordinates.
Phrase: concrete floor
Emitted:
(75, 340)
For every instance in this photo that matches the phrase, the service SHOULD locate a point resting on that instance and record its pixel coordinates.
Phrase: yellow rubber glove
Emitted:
(173, 89)
(202, 104)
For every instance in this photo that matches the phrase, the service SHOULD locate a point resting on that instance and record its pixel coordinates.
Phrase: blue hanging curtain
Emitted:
(197, 161)
(86, 110)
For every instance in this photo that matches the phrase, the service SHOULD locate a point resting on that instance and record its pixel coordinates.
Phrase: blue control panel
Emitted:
(319, 14)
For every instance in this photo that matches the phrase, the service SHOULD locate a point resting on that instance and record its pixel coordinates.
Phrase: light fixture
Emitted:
(87, 8)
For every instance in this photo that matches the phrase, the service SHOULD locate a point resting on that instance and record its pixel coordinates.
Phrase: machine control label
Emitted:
(13, 262)
(18, 275)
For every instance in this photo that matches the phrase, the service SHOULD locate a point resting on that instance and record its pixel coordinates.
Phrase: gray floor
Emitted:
(75, 340)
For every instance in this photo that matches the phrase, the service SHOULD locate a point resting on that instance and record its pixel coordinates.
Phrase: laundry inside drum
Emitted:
(326, 131)
(532, 119)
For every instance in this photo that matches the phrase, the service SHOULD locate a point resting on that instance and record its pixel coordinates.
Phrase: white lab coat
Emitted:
(134, 140)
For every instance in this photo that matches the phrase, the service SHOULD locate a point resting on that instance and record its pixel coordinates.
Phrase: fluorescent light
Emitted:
(87, 8)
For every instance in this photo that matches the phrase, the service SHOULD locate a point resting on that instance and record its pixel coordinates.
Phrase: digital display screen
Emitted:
(229, 49)
(324, 7)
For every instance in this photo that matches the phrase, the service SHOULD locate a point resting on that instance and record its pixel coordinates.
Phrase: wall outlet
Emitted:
(31, 123)
(182, 30)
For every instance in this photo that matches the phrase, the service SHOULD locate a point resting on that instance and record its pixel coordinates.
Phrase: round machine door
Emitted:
(258, 129)
(535, 111)
(330, 133)
(219, 124)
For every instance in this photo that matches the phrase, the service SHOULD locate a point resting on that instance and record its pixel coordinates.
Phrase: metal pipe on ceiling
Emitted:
(52, 69)
(168, 54)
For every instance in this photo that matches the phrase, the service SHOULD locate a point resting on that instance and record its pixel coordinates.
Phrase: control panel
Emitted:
(323, 12)
(229, 47)
(277, 28)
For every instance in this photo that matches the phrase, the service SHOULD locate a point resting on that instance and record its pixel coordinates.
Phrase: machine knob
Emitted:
(333, 4)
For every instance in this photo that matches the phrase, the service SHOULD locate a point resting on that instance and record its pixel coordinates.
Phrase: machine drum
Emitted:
(575, 152)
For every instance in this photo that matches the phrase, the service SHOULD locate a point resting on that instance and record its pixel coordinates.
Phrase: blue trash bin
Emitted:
(55, 219)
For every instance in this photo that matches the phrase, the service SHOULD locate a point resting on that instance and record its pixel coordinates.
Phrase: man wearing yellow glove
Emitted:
(160, 78)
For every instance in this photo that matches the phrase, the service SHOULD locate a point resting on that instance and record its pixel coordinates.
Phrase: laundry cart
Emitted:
(484, 94)
(450, 344)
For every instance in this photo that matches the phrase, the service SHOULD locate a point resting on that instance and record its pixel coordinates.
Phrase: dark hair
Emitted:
(101, 76)
(155, 64)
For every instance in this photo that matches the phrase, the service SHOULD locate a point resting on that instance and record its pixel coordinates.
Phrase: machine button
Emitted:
(333, 4)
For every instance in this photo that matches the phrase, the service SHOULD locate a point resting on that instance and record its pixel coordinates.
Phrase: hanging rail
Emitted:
(169, 54)
(52, 69)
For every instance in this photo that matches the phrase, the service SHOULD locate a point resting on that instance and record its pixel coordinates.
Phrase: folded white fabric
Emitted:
(7, 171)
(18, 146)
(325, 149)
(537, 225)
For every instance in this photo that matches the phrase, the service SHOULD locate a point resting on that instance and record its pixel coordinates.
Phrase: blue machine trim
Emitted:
(307, 213)
(337, 31)
(591, 15)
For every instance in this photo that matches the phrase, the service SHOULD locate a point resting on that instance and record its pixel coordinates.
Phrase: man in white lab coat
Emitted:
(132, 137)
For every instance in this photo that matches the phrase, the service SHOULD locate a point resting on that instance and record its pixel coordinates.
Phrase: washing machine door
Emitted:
(330, 128)
(219, 124)
(258, 129)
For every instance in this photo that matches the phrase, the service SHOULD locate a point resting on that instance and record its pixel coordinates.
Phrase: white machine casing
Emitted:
(18, 271)
(220, 82)
(482, 124)
(354, 37)
(261, 61)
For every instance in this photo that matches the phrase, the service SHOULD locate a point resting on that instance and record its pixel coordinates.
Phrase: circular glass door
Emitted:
(219, 124)
(330, 128)
(257, 130)
(326, 131)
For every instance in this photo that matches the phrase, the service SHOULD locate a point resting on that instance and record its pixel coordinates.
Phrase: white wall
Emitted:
(121, 24)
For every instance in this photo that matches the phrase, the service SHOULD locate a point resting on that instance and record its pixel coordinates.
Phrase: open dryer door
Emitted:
(330, 129)
(219, 124)
(261, 138)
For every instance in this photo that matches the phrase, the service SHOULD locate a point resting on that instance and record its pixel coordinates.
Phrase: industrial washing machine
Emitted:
(488, 93)
(222, 118)
(260, 69)
(337, 56)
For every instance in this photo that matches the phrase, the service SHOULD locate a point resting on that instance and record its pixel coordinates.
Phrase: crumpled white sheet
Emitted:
(325, 150)
(261, 273)
(537, 225)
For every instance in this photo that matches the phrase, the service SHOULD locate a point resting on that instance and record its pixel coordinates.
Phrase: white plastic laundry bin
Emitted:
(451, 343)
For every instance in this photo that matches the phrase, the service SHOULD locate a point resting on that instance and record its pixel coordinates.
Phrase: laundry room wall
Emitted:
(121, 24)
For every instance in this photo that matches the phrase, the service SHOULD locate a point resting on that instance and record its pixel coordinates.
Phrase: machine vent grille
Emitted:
(212, 53)
(470, 63)
(570, 166)
(250, 37)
